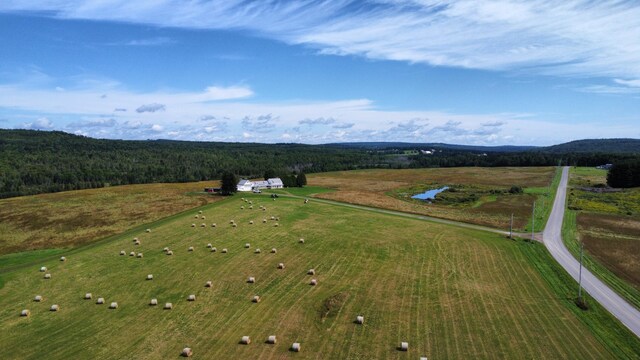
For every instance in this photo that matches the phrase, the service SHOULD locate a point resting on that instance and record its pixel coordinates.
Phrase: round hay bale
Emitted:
(214, 249)
(276, 224)
(208, 284)
(264, 209)
(209, 245)
(277, 218)
(271, 339)
(169, 252)
(137, 242)
(296, 346)
(25, 312)
(360, 319)
(47, 276)
(234, 225)
(274, 250)
(54, 307)
(37, 298)
(301, 241)
(213, 225)
(113, 305)
(313, 282)
(404, 346)
(202, 217)
(224, 251)
(153, 302)
(273, 217)
(165, 249)
(190, 248)
(257, 251)
(196, 217)
(191, 297)
(232, 222)
(100, 301)
(241, 207)
(133, 253)
(87, 296)
(200, 212)
(150, 277)
(193, 225)
(251, 207)
(311, 272)
(274, 199)
(264, 221)
(148, 230)
(186, 352)
(203, 225)
(62, 258)
(245, 340)
(135, 239)
(247, 245)
(168, 306)
(251, 280)
(122, 252)
(43, 269)
(139, 256)
(251, 222)
(256, 299)
(281, 266)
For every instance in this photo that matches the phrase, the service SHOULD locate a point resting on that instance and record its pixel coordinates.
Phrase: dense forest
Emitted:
(624, 174)
(33, 162)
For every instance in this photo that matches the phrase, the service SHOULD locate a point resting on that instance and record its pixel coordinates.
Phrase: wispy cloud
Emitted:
(42, 123)
(101, 122)
(569, 38)
(151, 108)
(156, 41)
(317, 121)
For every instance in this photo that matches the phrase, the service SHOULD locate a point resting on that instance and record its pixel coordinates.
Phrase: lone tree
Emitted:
(301, 180)
(229, 183)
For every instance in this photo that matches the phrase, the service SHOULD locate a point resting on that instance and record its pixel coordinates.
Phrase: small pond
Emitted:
(429, 194)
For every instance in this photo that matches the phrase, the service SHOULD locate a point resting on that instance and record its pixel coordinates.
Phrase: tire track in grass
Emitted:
(452, 341)
(469, 309)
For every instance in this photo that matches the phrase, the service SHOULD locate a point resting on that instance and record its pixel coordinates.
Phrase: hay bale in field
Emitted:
(200, 212)
(100, 301)
(251, 280)
(208, 284)
(137, 242)
(251, 207)
(251, 222)
(135, 239)
(87, 296)
(404, 346)
(213, 225)
(202, 217)
(214, 249)
(264, 221)
(273, 217)
(257, 251)
(241, 207)
(224, 251)
(196, 217)
(296, 346)
(276, 224)
(311, 272)
(139, 256)
(234, 225)
(264, 209)
(247, 245)
(148, 230)
(271, 339)
(209, 245)
(47, 276)
(203, 225)
(153, 302)
(306, 201)
(54, 307)
(274, 199)
(150, 277)
(313, 282)
(25, 312)
(169, 252)
(250, 202)
(301, 241)
(360, 319)
(277, 218)
(274, 250)
(232, 221)
(193, 225)
(168, 306)
(256, 299)
(245, 340)
(133, 253)
(43, 269)
(186, 352)
(190, 248)
(281, 266)
(191, 297)
(165, 249)
(122, 252)
(37, 298)
(113, 305)
(62, 258)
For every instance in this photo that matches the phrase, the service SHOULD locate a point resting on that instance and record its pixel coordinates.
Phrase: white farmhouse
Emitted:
(275, 183)
(244, 185)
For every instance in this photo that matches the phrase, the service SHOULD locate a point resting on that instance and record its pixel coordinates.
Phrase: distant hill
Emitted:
(427, 146)
(597, 146)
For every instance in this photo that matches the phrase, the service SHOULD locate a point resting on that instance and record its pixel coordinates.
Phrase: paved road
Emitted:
(552, 238)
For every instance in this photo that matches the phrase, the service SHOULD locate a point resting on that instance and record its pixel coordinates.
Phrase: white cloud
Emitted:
(571, 38)
(101, 122)
(226, 93)
(157, 128)
(151, 108)
(42, 123)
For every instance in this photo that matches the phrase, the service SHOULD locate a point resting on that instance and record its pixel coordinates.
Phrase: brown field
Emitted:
(614, 241)
(374, 187)
(76, 217)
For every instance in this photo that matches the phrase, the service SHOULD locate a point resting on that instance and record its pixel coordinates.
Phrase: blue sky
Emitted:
(456, 71)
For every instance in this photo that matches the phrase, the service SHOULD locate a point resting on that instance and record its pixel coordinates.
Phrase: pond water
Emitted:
(429, 194)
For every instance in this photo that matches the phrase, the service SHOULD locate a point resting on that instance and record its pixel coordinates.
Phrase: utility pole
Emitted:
(511, 228)
(533, 220)
(580, 274)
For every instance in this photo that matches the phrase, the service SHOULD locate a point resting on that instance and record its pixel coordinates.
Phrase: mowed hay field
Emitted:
(73, 218)
(450, 293)
(381, 188)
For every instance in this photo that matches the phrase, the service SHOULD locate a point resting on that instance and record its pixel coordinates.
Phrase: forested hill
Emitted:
(597, 145)
(33, 162)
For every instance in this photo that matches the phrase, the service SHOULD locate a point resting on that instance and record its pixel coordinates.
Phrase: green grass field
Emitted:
(451, 293)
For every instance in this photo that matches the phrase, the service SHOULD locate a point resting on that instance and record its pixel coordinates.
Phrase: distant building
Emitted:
(604, 167)
(213, 190)
(248, 185)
